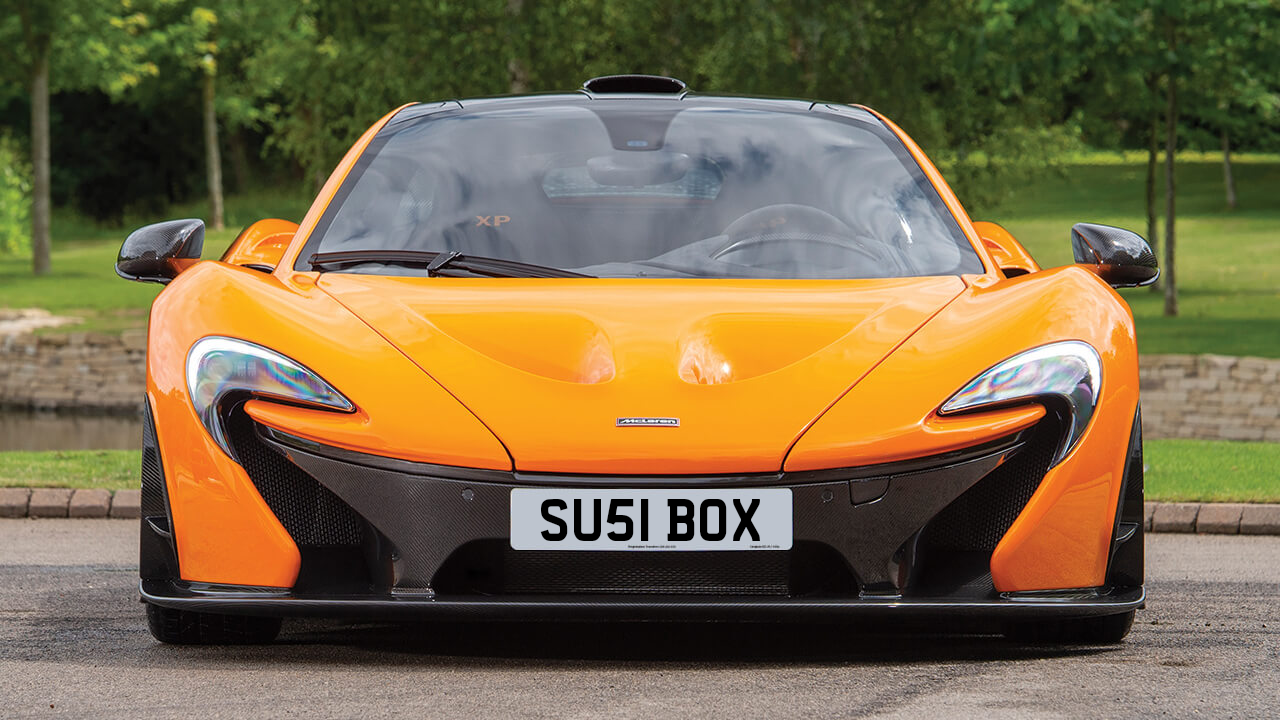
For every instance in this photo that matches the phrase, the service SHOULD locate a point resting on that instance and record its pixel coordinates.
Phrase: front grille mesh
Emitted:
(491, 567)
(312, 514)
(659, 573)
(978, 519)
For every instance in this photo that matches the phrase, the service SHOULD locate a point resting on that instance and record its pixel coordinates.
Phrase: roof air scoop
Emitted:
(634, 85)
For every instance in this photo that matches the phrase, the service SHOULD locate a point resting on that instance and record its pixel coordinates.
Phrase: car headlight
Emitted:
(219, 366)
(1068, 375)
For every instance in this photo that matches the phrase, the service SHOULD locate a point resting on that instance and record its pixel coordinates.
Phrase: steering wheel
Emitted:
(796, 224)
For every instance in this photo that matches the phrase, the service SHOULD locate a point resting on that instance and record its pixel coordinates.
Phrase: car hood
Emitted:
(570, 374)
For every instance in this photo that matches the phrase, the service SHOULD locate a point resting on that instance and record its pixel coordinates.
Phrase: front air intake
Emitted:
(310, 512)
(977, 520)
(634, 84)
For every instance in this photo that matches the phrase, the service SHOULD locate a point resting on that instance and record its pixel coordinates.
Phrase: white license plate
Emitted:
(629, 519)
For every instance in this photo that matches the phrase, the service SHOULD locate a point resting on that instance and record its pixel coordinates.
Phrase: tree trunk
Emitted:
(1153, 162)
(1170, 150)
(310, 118)
(239, 160)
(1226, 171)
(40, 202)
(213, 158)
(517, 71)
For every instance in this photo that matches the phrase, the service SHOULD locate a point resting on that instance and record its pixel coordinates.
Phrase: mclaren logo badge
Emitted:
(648, 422)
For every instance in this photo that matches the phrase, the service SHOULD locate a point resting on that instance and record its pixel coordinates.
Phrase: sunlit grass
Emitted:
(1212, 471)
(1228, 261)
(107, 469)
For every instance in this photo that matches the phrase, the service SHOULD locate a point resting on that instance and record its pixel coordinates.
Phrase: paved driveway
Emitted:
(72, 641)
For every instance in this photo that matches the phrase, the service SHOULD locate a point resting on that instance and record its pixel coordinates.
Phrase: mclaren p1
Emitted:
(635, 353)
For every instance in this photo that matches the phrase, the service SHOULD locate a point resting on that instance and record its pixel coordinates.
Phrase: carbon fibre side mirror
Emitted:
(157, 253)
(1122, 258)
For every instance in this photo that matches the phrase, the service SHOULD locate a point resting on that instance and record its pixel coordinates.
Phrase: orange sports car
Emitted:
(635, 353)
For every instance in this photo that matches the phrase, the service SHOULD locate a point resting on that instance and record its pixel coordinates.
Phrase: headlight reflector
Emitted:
(218, 366)
(1069, 372)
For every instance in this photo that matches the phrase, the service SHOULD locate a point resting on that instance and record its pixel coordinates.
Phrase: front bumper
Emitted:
(390, 538)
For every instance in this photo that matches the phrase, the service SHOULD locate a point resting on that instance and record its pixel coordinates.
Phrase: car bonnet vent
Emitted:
(634, 84)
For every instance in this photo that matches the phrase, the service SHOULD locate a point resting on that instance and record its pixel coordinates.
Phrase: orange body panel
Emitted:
(531, 374)
(745, 366)
(1005, 250)
(262, 243)
(225, 532)
(891, 416)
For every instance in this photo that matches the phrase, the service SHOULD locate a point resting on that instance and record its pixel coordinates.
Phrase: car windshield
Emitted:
(644, 188)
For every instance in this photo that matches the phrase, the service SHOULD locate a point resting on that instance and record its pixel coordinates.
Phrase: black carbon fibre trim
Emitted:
(157, 553)
(153, 490)
(675, 573)
(169, 594)
(157, 253)
(1121, 257)
(491, 567)
(426, 519)
(1126, 566)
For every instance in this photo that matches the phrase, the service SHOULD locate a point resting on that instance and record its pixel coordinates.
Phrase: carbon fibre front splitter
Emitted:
(262, 601)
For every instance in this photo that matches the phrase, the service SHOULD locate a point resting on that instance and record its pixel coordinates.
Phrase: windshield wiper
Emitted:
(441, 263)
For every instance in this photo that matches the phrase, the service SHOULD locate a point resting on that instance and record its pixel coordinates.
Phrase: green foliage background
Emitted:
(996, 91)
(15, 203)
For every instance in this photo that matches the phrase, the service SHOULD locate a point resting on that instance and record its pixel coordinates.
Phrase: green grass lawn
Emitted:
(1177, 470)
(107, 469)
(1228, 261)
(83, 282)
(1212, 471)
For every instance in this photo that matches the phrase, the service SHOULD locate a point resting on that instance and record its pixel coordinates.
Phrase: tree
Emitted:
(998, 60)
(373, 56)
(917, 62)
(185, 40)
(205, 44)
(1233, 87)
(65, 44)
(1221, 51)
(1170, 152)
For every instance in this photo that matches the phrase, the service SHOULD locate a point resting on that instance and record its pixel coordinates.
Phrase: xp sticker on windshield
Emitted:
(492, 220)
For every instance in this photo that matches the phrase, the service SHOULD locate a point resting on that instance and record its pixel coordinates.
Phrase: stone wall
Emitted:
(1189, 396)
(81, 372)
(1214, 397)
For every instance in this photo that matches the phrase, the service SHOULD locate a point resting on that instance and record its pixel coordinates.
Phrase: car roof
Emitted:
(647, 100)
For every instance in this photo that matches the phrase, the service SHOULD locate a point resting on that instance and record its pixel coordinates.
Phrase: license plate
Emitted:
(626, 519)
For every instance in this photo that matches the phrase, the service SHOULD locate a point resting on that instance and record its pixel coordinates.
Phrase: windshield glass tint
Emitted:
(647, 188)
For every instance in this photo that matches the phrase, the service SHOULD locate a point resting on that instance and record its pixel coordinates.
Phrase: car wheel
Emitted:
(1103, 630)
(185, 627)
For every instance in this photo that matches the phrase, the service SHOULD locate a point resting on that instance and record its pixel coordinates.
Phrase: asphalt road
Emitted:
(73, 642)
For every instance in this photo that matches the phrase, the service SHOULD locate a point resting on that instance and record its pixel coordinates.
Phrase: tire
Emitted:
(1102, 630)
(185, 627)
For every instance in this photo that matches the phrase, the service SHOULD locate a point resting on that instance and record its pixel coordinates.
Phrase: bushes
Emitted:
(15, 199)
